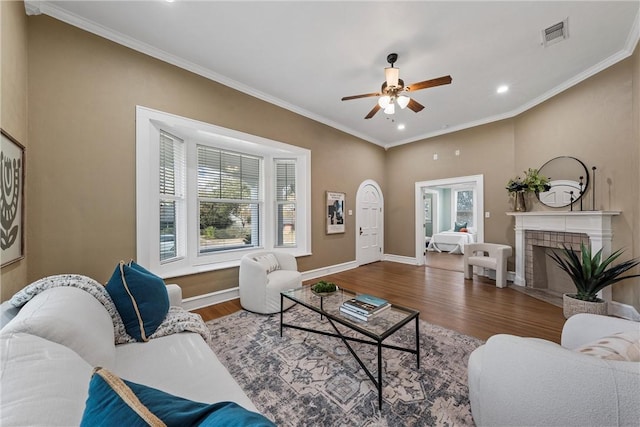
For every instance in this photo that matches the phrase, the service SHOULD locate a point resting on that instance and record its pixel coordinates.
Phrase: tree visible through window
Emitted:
(229, 199)
(464, 207)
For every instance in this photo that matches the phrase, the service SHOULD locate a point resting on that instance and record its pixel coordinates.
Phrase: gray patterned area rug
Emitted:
(305, 379)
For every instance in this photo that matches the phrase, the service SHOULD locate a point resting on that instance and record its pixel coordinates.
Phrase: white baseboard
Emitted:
(324, 271)
(401, 259)
(212, 298)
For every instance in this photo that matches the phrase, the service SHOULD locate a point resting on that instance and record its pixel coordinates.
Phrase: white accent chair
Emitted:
(262, 281)
(487, 255)
(515, 381)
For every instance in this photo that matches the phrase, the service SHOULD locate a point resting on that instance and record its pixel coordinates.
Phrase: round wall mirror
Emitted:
(565, 175)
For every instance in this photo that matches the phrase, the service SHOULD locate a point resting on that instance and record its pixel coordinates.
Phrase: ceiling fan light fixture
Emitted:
(390, 109)
(384, 101)
(392, 75)
(403, 101)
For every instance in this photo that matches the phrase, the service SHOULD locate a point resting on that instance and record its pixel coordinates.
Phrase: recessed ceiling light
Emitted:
(502, 89)
(401, 126)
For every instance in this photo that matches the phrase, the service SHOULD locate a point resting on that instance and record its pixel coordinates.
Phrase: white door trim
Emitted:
(381, 218)
(419, 208)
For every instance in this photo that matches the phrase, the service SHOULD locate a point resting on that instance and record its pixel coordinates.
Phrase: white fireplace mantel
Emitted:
(595, 224)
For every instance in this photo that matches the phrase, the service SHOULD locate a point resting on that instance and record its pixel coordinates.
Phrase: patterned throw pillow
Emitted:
(268, 261)
(113, 401)
(459, 225)
(141, 299)
(623, 346)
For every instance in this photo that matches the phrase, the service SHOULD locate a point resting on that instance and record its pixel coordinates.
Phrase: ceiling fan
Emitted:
(394, 91)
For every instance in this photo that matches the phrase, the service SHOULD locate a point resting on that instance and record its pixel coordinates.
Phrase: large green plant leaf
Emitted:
(590, 274)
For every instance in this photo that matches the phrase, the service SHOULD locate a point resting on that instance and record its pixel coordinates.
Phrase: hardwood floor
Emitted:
(443, 297)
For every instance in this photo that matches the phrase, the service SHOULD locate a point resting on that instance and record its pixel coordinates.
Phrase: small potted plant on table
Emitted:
(590, 275)
(324, 288)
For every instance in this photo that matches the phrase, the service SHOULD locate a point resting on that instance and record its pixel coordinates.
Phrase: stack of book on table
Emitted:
(364, 306)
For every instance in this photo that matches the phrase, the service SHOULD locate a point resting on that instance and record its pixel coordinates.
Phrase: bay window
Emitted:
(207, 195)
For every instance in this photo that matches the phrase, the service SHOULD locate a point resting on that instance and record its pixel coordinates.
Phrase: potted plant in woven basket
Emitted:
(590, 274)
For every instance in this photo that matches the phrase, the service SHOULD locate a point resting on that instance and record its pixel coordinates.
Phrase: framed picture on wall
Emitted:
(12, 184)
(335, 212)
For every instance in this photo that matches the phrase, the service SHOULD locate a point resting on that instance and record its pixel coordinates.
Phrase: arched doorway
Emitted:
(369, 223)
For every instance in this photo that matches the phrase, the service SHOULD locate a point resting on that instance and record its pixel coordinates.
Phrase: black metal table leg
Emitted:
(418, 342)
(281, 311)
(380, 375)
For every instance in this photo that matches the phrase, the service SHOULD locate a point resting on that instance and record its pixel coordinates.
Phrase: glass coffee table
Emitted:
(375, 330)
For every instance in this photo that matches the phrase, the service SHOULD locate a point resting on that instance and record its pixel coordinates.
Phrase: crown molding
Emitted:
(33, 7)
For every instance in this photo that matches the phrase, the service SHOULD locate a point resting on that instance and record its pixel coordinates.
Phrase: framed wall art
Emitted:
(12, 210)
(335, 212)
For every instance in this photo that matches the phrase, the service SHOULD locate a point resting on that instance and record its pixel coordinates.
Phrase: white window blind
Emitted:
(285, 192)
(229, 199)
(172, 189)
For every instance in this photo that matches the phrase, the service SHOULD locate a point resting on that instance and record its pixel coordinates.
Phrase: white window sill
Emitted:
(205, 268)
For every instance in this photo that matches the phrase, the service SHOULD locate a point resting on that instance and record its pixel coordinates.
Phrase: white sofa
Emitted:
(49, 349)
(515, 381)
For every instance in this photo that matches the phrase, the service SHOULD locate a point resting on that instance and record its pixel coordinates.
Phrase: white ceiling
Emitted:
(306, 55)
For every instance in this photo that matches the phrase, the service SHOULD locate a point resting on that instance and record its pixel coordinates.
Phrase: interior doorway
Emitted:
(369, 223)
(458, 197)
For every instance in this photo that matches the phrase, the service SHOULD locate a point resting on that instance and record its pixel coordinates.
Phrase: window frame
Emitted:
(277, 202)
(149, 123)
(454, 205)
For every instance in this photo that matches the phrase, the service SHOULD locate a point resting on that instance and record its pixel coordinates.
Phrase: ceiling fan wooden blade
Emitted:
(372, 112)
(415, 105)
(366, 95)
(445, 80)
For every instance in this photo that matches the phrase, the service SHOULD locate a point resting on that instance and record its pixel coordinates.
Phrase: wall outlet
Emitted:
(435, 156)
(487, 214)
(457, 152)
(350, 212)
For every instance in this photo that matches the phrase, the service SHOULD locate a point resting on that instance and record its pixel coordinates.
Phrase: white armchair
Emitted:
(515, 381)
(263, 275)
(487, 255)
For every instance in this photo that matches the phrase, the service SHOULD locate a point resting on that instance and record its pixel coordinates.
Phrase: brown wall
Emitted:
(595, 121)
(82, 99)
(632, 293)
(487, 150)
(13, 109)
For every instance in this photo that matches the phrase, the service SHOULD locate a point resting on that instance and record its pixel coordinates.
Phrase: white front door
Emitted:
(369, 224)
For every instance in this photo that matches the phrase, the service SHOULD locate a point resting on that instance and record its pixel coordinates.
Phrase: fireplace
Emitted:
(541, 272)
(537, 233)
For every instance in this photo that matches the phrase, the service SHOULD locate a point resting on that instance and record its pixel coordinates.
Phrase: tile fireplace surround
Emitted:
(550, 228)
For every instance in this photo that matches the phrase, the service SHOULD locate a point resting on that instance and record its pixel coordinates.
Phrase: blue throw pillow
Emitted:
(458, 225)
(140, 297)
(113, 401)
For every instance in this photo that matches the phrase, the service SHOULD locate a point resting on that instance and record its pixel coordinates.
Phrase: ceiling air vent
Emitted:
(555, 33)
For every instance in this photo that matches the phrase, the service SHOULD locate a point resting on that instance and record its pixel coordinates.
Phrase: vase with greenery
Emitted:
(533, 182)
(590, 275)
